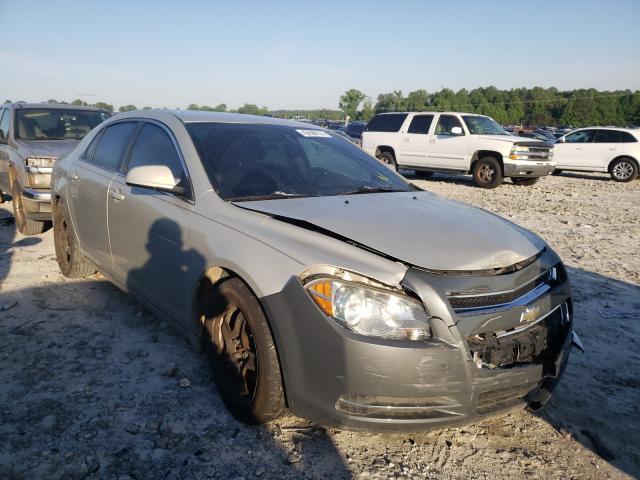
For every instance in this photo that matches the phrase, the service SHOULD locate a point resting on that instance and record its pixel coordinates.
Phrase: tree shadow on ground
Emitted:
(598, 398)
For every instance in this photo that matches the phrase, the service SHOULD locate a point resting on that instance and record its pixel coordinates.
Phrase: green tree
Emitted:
(207, 108)
(147, 108)
(251, 109)
(390, 102)
(417, 101)
(367, 111)
(127, 108)
(79, 103)
(104, 106)
(350, 101)
(193, 106)
(220, 108)
(7, 101)
(53, 101)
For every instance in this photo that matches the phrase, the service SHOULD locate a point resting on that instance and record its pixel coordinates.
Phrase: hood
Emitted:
(418, 228)
(48, 148)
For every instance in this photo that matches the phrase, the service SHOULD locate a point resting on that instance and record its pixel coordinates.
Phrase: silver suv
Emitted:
(315, 277)
(32, 137)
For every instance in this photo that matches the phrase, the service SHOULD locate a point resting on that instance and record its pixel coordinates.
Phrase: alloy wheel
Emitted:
(622, 170)
(486, 173)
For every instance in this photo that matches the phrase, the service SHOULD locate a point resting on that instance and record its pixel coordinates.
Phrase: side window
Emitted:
(386, 122)
(583, 136)
(4, 124)
(113, 143)
(420, 124)
(626, 137)
(606, 136)
(446, 123)
(154, 147)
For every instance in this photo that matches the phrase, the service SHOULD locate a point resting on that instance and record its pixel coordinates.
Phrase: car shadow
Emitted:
(604, 177)
(598, 398)
(8, 243)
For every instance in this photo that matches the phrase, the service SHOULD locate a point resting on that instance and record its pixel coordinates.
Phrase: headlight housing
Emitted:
(519, 152)
(370, 310)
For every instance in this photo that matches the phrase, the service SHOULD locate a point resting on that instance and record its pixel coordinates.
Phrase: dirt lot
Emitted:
(94, 386)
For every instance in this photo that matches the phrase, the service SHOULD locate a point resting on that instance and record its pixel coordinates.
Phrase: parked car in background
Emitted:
(315, 277)
(32, 137)
(355, 129)
(542, 135)
(457, 143)
(343, 134)
(595, 149)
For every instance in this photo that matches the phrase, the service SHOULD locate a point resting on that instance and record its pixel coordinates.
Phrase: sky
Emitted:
(304, 55)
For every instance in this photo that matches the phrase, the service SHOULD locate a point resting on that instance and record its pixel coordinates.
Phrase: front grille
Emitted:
(539, 344)
(464, 302)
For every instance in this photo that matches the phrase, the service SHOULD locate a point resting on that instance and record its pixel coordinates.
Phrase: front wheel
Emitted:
(388, 159)
(623, 170)
(487, 173)
(71, 260)
(524, 181)
(243, 355)
(25, 225)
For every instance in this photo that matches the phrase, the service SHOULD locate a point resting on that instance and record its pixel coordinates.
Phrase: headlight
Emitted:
(371, 311)
(519, 152)
(40, 161)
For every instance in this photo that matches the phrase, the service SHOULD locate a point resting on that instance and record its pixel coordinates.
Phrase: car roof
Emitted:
(195, 116)
(53, 106)
(620, 129)
(432, 112)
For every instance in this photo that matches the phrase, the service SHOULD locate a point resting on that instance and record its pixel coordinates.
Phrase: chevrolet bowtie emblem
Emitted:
(530, 314)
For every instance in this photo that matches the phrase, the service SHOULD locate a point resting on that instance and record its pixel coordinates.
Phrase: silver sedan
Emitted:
(317, 279)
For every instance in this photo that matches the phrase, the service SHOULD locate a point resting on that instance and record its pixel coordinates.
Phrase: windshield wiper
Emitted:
(370, 189)
(271, 196)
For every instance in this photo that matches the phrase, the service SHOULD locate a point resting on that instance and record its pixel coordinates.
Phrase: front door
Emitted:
(89, 179)
(148, 229)
(448, 150)
(570, 154)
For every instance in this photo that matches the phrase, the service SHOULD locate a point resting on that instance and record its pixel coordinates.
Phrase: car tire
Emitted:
(524, 181)
(1, 196)
(388, 159)
(72, 263)
(25, 226)
(623, 169)
(487, 173)
(243, 355)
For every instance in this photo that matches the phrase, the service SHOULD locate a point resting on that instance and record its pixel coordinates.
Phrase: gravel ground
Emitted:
(94, 386)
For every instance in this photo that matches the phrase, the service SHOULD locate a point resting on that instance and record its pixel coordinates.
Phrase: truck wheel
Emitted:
(388, 159)
(524, 181)
(1, 196)
(623, 170)
(71, 261)
(487, 173)
(243, 355)
(25, 225)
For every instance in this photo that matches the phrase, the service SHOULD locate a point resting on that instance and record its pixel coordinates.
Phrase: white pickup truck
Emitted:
(456, 143)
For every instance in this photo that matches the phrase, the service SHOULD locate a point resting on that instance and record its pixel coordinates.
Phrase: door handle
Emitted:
(116, 194)
(73, 175)
(579, 148)
(613, 148)
(406, 139)
(432, 140)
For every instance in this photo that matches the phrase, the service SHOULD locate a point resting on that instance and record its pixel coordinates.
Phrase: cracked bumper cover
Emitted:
(338, 378)
(37, 203)
(514, 168)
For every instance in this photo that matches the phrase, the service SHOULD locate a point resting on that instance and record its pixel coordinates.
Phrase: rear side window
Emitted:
(154, 147)
(421, 124)
(626, 137)
(113, 144)
(388, 122)
(606, 136)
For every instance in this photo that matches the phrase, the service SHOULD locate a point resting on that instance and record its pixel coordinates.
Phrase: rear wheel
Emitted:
(71, 261)
(243, 355)
(388, 159)
(487, 173)
(623, 170)
(524, 181)
(25, 225)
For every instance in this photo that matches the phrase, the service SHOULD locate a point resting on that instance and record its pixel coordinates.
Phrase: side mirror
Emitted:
(456, 131)
(561, 140)
(158, 177)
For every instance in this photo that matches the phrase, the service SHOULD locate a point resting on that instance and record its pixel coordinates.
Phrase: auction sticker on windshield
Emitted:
(313, 133)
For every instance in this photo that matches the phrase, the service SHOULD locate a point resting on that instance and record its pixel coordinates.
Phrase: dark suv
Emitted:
(32, 138)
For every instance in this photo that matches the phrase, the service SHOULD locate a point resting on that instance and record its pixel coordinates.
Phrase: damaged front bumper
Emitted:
(338, 378)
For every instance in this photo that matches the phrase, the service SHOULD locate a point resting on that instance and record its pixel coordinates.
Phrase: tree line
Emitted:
(518, 106)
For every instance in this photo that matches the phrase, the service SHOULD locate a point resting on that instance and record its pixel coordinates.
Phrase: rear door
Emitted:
(604, 147)
(148, 228)
(415, 141)
(447, 150)
(89, 179)
(570, 154)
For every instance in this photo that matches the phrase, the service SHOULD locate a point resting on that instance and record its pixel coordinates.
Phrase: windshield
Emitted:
(258, 161)
(56, 123)
(479, 125)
